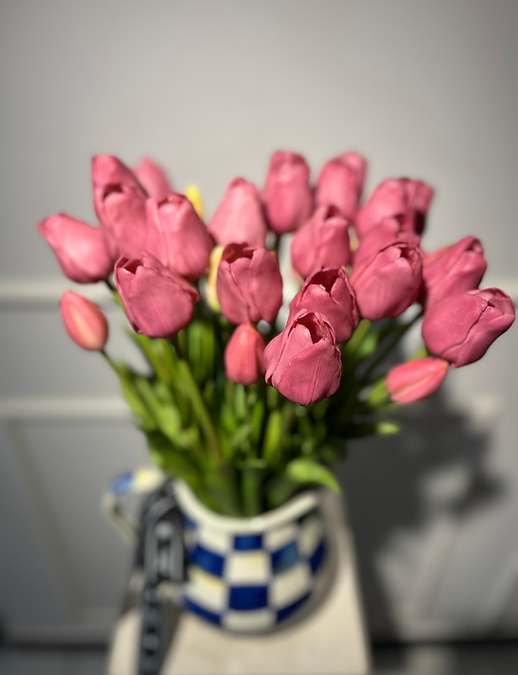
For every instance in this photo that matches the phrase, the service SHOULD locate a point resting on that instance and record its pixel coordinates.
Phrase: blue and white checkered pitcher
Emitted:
(245, 575)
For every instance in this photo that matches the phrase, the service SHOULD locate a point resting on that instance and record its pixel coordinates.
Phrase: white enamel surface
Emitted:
(290, 511)
(289, 586)
(214, 540)
(254, 620)
(248, 567)
(276, 539)
(311, 533)
(207, 590)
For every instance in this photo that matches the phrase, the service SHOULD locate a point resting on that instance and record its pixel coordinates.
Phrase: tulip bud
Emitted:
(157, 303)
(84, 321)
(415, 380)
(81, 249)
(287, 195)
(153, 178)
(193, 194)
(389, 282)
(453, 270)
(211, 293)
(322, 242)
(249, 284)
(239, 218)
(329, 291)
(387, 232)
(340, 183)
(303, 362)
(405, 199)
(244, 355)
(461, 329)
(120, 204)
(177, 237)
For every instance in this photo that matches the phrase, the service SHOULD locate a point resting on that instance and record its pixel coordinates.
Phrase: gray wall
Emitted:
(425, 89)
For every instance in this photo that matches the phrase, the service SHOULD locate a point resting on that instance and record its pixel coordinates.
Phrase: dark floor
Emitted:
(473, 659)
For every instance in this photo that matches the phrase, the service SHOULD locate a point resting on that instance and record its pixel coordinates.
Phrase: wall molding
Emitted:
(61, 408)
(47, 292)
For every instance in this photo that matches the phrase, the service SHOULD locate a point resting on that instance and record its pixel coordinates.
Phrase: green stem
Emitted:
(111, 362)
(250, 491)
(357, 337)
(197, 402)
(397, 334)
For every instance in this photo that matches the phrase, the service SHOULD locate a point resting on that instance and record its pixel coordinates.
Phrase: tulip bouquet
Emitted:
(246, 409)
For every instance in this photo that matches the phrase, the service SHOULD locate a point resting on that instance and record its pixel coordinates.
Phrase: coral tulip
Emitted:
(340, 183)
(84, 321)
(461, 329)
(322, 242)
(389, 282)
(153, 178)
(177, 237)
(120, 204)
(81, 249)
(249, 284)
(329, 291)
(453, 270)
(303, 362)
(244, 355)
(157, 303)
(415, 380)
(388, 231)
(287, 194)
(402, 198)
(239, 218)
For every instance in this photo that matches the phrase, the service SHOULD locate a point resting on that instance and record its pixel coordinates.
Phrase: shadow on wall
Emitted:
(396, 486)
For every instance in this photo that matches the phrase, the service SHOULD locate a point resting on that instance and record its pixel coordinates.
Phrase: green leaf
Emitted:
(257, 421)
(308, 471)
(241, 437)
(240, 401)
(279, 490)
(228, 420)
(272, 398)
(373, 429)
(166, 416)
(208, 349)
(170, 460)
(272, 436)
(138, 407)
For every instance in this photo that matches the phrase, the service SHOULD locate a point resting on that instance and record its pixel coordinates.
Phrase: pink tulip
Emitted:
(416, 380)
(461, 329)
(287, 195)
(157, 303)
(303, 362)
(340, 183)
(389, 282)
(120, 204)
(453, 270)
(322, 242)
(329, 291)
(249, 284)
(387, 232)
(177, 237)
(84, 321)
(153, 178)
(244, 355)
(405, 199)
(239, 218)
(81, 249)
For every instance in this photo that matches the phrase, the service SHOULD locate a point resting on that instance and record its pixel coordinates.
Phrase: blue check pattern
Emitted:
(250, 583)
